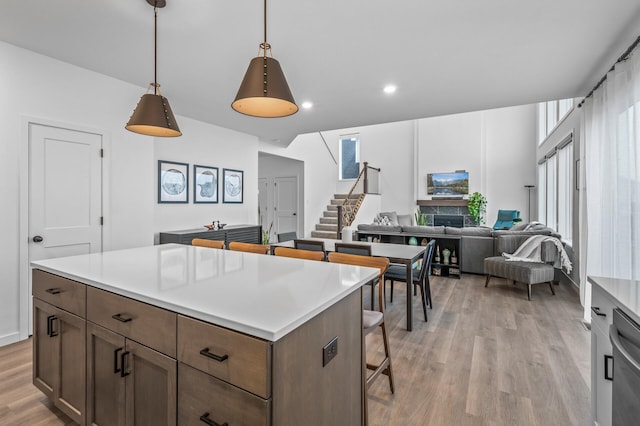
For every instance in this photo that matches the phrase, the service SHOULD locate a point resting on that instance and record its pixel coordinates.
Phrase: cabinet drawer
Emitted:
(602, 304)
(247, 363)
(61, 292)
(151, 326)
(202, 395)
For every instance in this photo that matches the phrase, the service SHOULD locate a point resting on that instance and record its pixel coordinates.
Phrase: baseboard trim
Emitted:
(8, 339)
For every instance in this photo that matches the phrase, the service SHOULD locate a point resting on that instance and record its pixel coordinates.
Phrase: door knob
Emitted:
(37, 239)
(294, 214)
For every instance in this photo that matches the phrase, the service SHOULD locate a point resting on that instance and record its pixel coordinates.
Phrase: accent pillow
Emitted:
(393, 217)
(519, 226)
(405, 220)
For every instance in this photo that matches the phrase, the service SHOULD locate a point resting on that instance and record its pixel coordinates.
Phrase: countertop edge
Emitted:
(600, 282)
(213, 319)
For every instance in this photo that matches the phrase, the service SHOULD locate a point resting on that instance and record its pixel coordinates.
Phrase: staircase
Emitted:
(328, 226)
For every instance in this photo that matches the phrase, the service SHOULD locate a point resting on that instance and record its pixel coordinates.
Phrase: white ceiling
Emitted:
(445, 56)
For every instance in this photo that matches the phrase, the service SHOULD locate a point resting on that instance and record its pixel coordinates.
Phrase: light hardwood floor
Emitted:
(487, 356)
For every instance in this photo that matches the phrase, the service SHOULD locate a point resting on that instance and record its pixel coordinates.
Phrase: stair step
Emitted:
(324, 234)
(332, 208)
(332, 220)
(327, 227)
(333, 213)
(339, 202)
(343, 196)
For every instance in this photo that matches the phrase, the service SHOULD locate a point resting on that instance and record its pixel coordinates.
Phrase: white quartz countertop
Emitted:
(260, 295)
(626, 293)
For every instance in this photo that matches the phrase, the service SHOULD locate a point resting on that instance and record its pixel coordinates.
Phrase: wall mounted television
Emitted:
(448, 184)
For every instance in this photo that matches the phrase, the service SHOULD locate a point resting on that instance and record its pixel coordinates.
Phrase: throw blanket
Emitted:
(530, 251)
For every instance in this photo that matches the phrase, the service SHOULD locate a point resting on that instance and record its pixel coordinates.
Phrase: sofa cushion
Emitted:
(370, 227)
(405, 220)
(416, 229)
(393, 217)
(474, 231)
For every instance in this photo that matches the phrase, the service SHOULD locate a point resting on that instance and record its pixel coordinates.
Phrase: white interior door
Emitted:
(65, 193)
(286, 204)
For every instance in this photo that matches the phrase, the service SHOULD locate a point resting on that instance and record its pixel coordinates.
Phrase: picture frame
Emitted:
(232, 186)
(205, 184)
(173, 182)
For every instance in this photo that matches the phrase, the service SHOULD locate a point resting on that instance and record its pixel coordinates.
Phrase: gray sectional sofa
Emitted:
(474, 243)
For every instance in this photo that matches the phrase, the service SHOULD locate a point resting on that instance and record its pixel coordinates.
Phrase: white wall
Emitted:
(41, 89)
(207, 145)
(497, 147)
(320, 174)
(273, 166)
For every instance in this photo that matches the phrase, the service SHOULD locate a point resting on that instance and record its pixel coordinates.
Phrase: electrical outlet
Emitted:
(329, 351)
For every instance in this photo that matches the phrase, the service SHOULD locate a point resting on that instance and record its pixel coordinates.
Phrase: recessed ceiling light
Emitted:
(390, 88)
(307, 104)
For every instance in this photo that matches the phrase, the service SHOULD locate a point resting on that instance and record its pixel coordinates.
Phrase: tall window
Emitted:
(550, 114)
(349, 157)
(542, 192)
(565, 192)
(552, 199)
(555, 190)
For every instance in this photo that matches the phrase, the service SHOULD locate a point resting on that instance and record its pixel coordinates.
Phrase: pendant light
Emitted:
(264, 91)
(153, 115)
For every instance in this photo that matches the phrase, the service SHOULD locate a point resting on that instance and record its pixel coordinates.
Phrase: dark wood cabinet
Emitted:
(241, 233)
(59, 358)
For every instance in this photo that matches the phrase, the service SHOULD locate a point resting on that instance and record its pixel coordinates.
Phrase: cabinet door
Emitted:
(601, 388)
(105, 383)
(59, 358)
(151, 387)
(70, 392)
(44, 346)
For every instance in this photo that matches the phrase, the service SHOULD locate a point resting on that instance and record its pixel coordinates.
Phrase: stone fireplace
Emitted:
(442, 212)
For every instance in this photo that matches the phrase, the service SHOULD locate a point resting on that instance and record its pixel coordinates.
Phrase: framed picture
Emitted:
(232, 186)
(173, 182)
(205, 184)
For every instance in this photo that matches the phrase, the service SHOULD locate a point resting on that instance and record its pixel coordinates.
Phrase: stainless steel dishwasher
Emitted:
(624, 334)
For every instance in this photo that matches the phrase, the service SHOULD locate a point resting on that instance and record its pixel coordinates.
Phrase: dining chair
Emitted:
(420, 277)
(371, 319)
(287, 236)
(298, 254)
(207, 243)
(311, 245)
(248, 247)
(360, 250)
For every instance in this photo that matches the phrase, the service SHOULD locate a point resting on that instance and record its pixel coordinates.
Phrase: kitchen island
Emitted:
(176, 334)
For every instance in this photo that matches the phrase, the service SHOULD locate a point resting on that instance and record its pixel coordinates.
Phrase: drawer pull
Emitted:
(123, 364)
(116, 369)
(205, 419)
(120, 318)
(50, 331)
(53, 290)
(205, 352)
(608, 371)
(596, 310)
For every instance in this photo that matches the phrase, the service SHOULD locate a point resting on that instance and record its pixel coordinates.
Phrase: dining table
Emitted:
(396, 253)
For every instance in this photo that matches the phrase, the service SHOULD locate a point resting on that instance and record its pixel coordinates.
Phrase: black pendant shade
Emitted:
(153, 115)
(264, 91)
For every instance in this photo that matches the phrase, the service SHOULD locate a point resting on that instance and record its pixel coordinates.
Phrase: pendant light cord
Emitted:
(155, 50)
(265, 29)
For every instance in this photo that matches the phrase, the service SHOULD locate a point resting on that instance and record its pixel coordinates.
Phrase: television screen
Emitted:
(456, 183)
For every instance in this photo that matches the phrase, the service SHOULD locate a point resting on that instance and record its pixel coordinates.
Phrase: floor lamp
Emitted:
(529, 188)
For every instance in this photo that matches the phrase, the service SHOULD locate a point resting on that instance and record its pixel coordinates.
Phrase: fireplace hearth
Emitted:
(455, 220)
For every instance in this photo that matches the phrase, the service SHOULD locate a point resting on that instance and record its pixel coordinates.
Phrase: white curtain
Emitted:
(612, 174)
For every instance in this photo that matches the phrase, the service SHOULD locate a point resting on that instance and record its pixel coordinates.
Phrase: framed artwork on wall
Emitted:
(232, 184)
(173, 182)
(205, 184)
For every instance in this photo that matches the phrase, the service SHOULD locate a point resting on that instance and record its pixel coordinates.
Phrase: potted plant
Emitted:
(477, 207)
(421, 218)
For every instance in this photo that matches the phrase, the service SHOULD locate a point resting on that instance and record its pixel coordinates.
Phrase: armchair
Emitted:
(506, 218)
